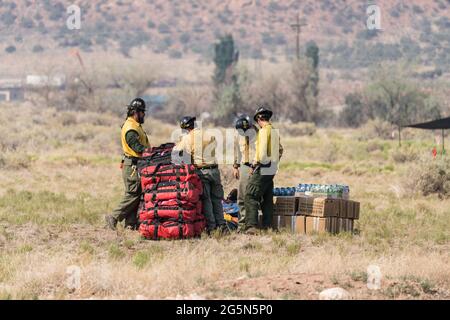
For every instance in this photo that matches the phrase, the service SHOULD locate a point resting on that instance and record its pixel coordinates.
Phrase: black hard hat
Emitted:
(243, 123)
(263, 111)
(187, 122)
(137, 104)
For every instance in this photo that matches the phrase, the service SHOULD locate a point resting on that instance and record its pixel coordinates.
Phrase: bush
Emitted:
(404, 154)
(8, 18)
(38, 48)
(184, 38)
(27, 23)
(297, 129)
(175, 54)
(373, 146)
(56, 11)
(432, 177)
(376, 129)
(163, 28)
(10, 49)
(355, 112)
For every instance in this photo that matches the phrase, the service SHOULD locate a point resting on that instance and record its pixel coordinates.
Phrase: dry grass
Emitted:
(61, 175)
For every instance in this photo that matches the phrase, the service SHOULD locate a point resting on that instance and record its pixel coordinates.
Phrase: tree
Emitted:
(135, 79)
(391, 97)
(304, 104)
(226, 81)
(356, 111)
(401, 102)
(225, 58)
(312, 52)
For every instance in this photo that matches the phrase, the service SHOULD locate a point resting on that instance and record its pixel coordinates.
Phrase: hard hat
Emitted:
(263, 112)
(137, 104)
(187, 122)
(243, 123)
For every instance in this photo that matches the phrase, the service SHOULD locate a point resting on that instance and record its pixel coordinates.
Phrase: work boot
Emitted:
(111, 222)
(133, 226)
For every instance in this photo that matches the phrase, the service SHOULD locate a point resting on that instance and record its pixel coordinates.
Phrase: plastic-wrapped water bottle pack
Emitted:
(320, 190)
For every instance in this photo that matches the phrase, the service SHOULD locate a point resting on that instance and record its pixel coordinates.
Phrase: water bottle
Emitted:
(292, 191)
(346, 193)
(276, 192)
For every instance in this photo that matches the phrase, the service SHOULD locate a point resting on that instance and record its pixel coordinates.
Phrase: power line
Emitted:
(298, 28)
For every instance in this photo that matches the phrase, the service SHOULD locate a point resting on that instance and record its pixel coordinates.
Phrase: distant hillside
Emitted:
(416, 29)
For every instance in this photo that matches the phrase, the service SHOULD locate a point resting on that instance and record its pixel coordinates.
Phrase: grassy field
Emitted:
(60, 174)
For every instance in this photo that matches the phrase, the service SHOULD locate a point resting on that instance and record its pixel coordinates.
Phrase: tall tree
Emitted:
(225, 79)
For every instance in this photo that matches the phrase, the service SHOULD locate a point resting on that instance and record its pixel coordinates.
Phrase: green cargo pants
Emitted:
(128, 206)
(259, 192)
(212, 197)
(244, 175)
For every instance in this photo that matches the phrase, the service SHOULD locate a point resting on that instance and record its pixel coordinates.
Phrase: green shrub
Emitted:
(432, 177)
(376, 129)
(404, 154)
(10, 49)
(38, 48)
(297, 129)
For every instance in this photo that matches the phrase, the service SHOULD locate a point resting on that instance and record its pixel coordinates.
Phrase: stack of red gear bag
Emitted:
(171, 206)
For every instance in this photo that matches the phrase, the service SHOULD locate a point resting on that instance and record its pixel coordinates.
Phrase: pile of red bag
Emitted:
(171, 207)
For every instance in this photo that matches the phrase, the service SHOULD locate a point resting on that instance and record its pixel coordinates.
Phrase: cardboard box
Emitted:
(325, 207)
(278, 222)
(349, 209)
(305, 205)
(319, 224)
(356, 208)
(345, 225)
(342, 208)
(295, 224)
(285, 206)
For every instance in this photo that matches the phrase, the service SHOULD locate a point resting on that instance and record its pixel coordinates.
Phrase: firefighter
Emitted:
(259, 190)
(243, 157)
(198, 148)
(134, 142)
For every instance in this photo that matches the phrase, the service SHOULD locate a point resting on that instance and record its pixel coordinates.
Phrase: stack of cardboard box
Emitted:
(304, 214)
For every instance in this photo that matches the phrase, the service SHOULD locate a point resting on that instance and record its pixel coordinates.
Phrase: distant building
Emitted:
(11, 90)
(37, 81)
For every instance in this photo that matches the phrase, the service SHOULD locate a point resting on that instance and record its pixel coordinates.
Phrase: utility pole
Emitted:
(298, 28)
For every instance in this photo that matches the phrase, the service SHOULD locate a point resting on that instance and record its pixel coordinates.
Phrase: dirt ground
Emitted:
(289, 285)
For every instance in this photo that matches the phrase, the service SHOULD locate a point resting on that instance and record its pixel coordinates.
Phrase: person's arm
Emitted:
(280, 151)
(132, 138)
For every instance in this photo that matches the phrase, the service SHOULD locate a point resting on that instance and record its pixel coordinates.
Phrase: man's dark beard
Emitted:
(141, 119)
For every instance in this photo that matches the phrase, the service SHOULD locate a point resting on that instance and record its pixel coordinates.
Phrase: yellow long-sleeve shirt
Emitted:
(200, 145)
(268, 146)
(244, 148)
